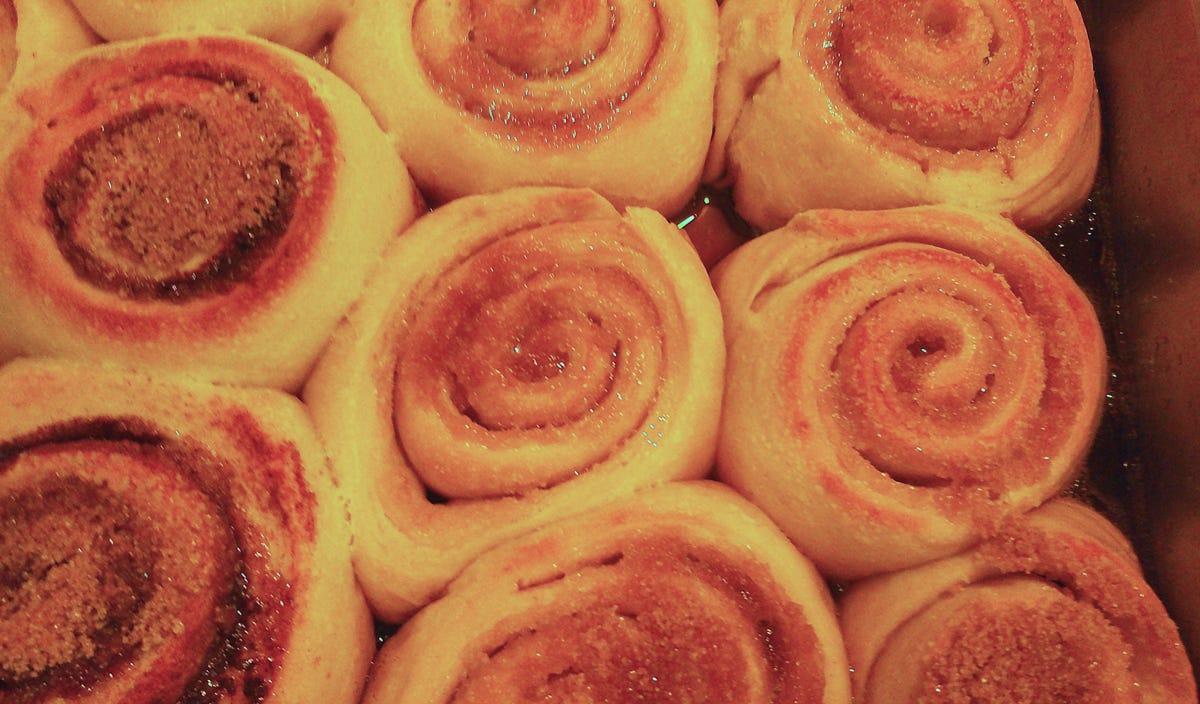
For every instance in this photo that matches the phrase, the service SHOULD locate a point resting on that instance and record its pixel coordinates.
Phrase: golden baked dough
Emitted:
(8, 41)
(880, 104)
(34, 32)
(684, 592)
(170, 542)
(901, 381)
(614, 96)
(207, 205)
(516, 357)
(299, 24)
(1053, 609)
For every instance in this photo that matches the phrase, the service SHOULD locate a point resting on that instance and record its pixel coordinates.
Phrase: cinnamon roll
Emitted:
(899, 382)
(878, 104)
(169, 542)
(614, 96)
(517, 357)
(680, 593)
(207, 205)
(299, 24)
(1053, 609)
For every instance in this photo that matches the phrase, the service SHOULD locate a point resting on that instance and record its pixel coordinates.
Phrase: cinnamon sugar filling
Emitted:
(660, 623)
(947, 73)
(173, 200)
(121, 571)
(531, 361)
(559, 71)
(75, 570)
(941, 374)
(615, 656)
(1030, 652)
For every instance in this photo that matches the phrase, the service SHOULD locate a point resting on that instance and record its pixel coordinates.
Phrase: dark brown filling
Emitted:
(75, 570)
(172, 200)
(92, 587)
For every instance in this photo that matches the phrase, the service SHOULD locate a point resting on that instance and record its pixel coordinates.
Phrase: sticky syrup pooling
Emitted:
(173, 199)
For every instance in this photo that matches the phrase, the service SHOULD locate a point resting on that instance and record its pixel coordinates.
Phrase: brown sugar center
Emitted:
(172, 195)
(1022, 653)
(75, 571)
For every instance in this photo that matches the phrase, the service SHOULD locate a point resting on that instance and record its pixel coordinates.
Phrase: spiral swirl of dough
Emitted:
(1054, 608)
(179, 203)
(584, 93)
(990, 104)
(170, 541)
(518, 356)
(900, 380)
(683, 592)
